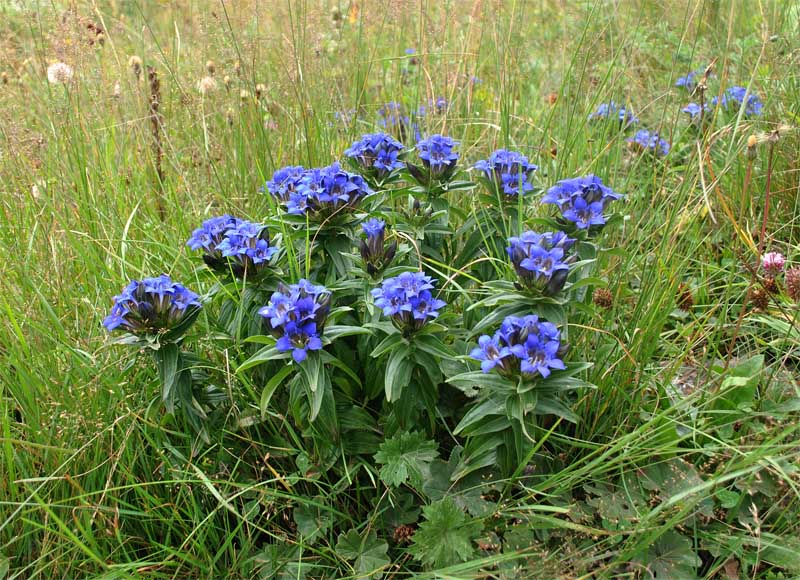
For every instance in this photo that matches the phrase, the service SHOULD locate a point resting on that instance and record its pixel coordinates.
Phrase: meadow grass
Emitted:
(94, 482)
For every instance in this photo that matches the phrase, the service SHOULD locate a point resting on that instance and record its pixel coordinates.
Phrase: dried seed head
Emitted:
(135, 64)
(261, 90)
(759, 298)
(227, 82)
(116, 91)
(211, 67)
(206, 85)
(4, 77)
(244, 94)
(59, 73)
(685, 298)
(403, 534)
(603, 298)
(793, 283)
(237, 68)
(770, 285)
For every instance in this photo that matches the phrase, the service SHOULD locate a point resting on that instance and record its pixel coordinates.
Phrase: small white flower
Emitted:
(59, 73)
(206, 85)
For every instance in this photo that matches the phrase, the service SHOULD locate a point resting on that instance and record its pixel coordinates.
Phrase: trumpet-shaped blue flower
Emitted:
(377, 152)
(540, 260)
(612, 110)
(582, 200)
(695, 111)
(509, 170)
(644, 140)
(321, 192)
(151, 306)
(437, 154)
(375, 253)
(230, 243)
(284, 182)
(738, 97)
(522, 345)
(297, 316)
(407, 299)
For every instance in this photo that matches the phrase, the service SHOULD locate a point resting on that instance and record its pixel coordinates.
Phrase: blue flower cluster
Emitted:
(612, 110)
(523, 345)
(644, 140)
(540, 260)
(582, 200)
(373, 251)
(695, 111)
(231, 243)
(318, 192)
(391, 115)
(376, 152)
(407, 299)
(437, 154)
(689, 82)
(437, 106)
(151, 306)
(297, 316)
(753, 106)
(509, 170)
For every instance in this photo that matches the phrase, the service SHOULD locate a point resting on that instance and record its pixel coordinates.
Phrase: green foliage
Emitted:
(446, 536)
(406, 457)
(368, 554)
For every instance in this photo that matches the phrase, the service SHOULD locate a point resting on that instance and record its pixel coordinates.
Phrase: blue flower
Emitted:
(297, 316)
(437, 154)
(377, 152)
(375, 254)
(232, 244)
(582, 200)
(612, 110)
(411, 51)
(522, 345)
(647, 141)
(539, 260)
(509, 170)
(407, 299)
(392, 116)
(753, 106)
(688, 81)
(321, 192)
(374, 228)
(152, 306)
(209, 235)
(695, 111)
(284, 182)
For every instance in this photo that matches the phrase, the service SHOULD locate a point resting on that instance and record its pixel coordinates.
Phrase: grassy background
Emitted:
(87, 487)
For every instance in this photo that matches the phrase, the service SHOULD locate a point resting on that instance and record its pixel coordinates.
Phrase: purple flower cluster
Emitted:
(373, 251)
(284, 182)
(509, 170)
(582, 200)
(297, 316)
(151, 306)
(231, 243)
(523, 345)
(391, 115)
(738, 97)
(644, 140)
(540, 260)
(407, 299)
(376, 152)
(437, 154)
(612, 110)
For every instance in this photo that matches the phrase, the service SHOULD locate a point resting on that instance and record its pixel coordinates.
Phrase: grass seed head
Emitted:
(135, 64)
(793, 283)
(603, 298)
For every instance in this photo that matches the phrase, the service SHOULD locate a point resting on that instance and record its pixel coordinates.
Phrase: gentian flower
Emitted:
(612, 110)
(695, 111)
(510, 171)
(152, 306)
(689, 81)
(438, 159)
(522, 345)
(773, 263)
(376, 257)
(284, 182)
(753, 106)
(297, 316)
(407, 299)
(320, 193)
(232, 244)
(540, 260)
(376, 153)
(582, 200)
(644, 140)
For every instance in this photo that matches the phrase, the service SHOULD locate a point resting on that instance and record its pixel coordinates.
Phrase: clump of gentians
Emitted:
(523, 346)
(376, 154)
(153, 306)
(541, 260)
(773, 263)
(322, 192)
(612, 110)
(284, 182)
(392, 117)
(438, 157)
(407, 299)
(689, 82)
(582, 200)
(737, 97)
(510, 171)
(645, 141)
(232, 244)
(297, 315)
(374, 251)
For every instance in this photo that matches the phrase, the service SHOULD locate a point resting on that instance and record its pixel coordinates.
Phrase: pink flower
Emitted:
(773, 263)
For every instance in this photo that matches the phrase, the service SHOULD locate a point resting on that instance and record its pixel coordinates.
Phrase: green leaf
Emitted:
(338, 331)
(398, 372)
(471, 381)
(433, 346)
(168, 359)
(271, 386)
(671, 557)
(369, 555)
(312, 521)
(387, 344)
(404, 457)
(445, 537)
(265, 354)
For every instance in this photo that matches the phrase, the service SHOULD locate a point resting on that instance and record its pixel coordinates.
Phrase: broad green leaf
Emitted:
(267, 353)
(445, 537)
(368, 554)
(398, 372)
(271, 386)
(405, 457)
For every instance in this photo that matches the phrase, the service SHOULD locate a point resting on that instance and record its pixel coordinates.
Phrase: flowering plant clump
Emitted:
(375, 254)
(407, 299)
(509, 171)
(210, 235)
(522, 346)
(612, 110)
(644, 140)
(582, 200)
(376, 153)
(738, 97)
(320, 193)
(438, 155)
(539, 260)
(297, 316)
(153, 306)
(230, 243)
(284, 182)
